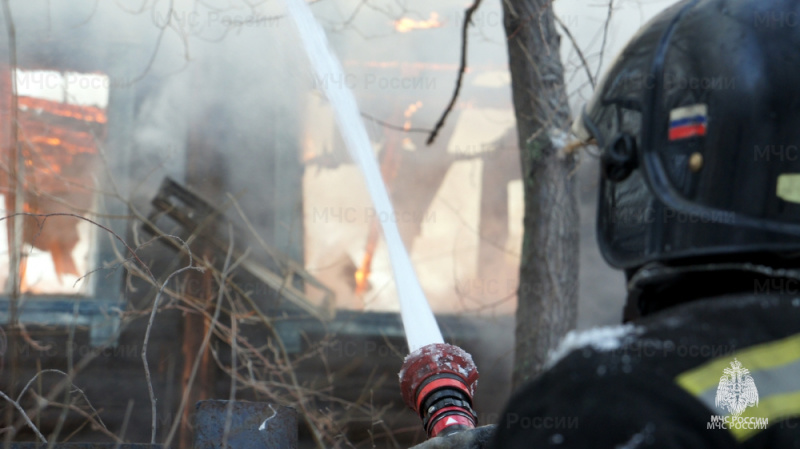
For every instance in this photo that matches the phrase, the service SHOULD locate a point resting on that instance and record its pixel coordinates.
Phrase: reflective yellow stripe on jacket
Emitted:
(775, 370)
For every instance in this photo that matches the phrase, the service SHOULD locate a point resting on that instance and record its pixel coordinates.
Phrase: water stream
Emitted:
(418, 320)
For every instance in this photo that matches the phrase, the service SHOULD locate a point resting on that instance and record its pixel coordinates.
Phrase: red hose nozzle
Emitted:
(438, 381)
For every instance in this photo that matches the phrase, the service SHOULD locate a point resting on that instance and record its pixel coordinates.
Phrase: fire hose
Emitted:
(438, 382)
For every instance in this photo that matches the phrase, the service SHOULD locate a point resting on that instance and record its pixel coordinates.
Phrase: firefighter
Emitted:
(698, 121)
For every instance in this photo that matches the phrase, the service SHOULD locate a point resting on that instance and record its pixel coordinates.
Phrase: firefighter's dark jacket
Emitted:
(669, 381)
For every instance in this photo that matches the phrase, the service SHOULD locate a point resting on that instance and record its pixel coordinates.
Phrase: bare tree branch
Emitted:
(578, 50)
(395, 127)
(605, 37)
(25, 416)
(147, 339)
(461, 69)
(203, 345)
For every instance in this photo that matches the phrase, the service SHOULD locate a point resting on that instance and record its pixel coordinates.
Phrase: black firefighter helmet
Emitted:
(698, 121)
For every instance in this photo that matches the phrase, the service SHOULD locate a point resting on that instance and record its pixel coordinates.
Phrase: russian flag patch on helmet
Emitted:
(689, 121)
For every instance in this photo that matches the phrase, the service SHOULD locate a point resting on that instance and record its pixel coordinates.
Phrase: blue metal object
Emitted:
(253, 425)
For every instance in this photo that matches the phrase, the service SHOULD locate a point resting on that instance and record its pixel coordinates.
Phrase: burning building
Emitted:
(246, 225)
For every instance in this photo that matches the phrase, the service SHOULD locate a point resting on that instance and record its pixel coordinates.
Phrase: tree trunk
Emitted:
(548, 288)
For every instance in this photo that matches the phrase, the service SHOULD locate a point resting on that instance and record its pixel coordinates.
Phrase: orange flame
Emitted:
(308, 149)
(362, 274)
(60, 145)
(405, 24)
(83, 113)
(410, 111)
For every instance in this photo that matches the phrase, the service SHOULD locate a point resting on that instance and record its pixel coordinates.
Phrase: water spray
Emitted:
(437, 380)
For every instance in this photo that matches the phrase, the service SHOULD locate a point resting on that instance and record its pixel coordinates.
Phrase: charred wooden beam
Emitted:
(198, 220)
